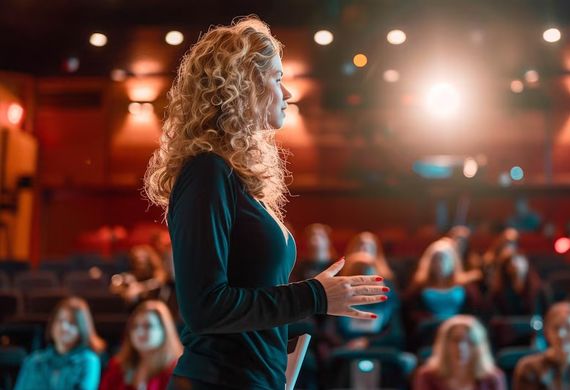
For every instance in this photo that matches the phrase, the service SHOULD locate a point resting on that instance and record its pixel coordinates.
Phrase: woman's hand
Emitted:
(343, 292)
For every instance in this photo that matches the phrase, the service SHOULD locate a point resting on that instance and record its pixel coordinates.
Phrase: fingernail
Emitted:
(379, 279)
(373, 316)
(385, 289)
(341, 259)
(383, 298)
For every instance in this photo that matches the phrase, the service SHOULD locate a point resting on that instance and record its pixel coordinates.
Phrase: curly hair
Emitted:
(218, 103)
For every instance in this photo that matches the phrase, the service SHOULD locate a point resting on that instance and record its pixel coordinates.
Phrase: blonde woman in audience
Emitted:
(370, 243)
(149, 352)
(71, 361)
(549, 370)
(461, 359)
(318, 255)
(439, 287)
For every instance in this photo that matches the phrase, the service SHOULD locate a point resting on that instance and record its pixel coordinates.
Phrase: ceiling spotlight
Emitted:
(552, 35)
(98, 39)
(323, 37)
(396, 37)
(442, 100)
(517, 86)
(360, 60)
(174, 38)
(391, 76)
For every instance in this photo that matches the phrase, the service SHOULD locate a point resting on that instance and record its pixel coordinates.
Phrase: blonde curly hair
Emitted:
(218, 103)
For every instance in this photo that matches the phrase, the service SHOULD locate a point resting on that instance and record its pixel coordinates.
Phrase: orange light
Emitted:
(15, 113)
(562, 245)
(360, 60)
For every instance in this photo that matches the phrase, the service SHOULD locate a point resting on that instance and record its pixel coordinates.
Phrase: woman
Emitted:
(551, 368)
(516, 288)
(219, 175)
(71, 361)
(461, 359)
(149, 352)
(147, 277)
(370, 243)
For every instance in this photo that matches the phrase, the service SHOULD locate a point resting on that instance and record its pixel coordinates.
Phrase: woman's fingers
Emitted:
(367, 299)
(362, 315)
(370, 290)
(364, 279)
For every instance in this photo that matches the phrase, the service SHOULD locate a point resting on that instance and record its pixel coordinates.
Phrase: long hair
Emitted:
(482, 360)
(355, 245)
(81, 314)
(154, 267)
(218, 103)
(171, 348)
(422, 275)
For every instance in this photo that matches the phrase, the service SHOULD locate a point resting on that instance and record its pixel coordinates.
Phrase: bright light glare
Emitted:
(396, 37)
(98, 39)
(323, 37)
(470, 167)
(174, 38)
(442, 100)
(552, 35)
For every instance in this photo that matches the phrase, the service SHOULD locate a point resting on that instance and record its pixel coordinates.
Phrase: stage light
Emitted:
(531, 76)
(135, 108)
(517, 173)
(552, 35)
(391, 76)
(442, 100)
(323, 37)
(562, 245)
(15, 113)
(174, 38)
(98, 39)
(118, 75)
(470, 167)
(360, 60)
(396, 37)
(517, 86)
(365, 365)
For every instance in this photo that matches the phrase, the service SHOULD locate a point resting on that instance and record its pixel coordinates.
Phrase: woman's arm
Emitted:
(201, 217)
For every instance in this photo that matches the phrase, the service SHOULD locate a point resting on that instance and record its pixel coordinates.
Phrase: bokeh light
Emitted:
(360, 60)
(323, 37)
(517, 173)
(174, 38)
(562, 245)
(98, 39)
(391, 76)
(396, 37)
(552, 35)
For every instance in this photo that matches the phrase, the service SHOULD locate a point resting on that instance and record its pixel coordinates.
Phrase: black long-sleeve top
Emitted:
(232, 264)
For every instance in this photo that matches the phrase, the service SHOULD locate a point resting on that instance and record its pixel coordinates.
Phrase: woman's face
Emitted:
(278, 93)
(147, 333)
(65, 331)
(460, 346)
(442, 264)
(517, 266)
(367, 245)
(558, 333)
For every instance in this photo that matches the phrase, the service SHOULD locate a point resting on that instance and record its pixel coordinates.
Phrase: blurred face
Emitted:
(140, 262)
(278, 93)
(367, 245)
(65, 331)
(517, 266)
(442, 264)
(558, 333)
(147, 333)
(460, 346)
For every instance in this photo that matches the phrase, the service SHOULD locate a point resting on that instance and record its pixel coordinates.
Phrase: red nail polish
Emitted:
(379, 279)
(383, 298)
(385, 289)
(373, 316)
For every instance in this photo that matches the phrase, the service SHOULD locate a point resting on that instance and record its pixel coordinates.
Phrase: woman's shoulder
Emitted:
(40, 356)
(85, 356)
(207, 163)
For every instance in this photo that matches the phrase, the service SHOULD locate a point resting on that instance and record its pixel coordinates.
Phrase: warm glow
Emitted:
(552, 35)
(323, 37)
(146, 66)
(470, 167)
(15, 113)
(174, 38)
(531, 76)
(396, 37)
(442, 100)
(562, 245)
(118, 75)
(391, 76)
(517, 86)
(98, 39)
(360, 60)
(141, 109)
(145, 89)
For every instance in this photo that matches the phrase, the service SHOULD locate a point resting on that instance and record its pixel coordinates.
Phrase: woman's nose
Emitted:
(286, 94)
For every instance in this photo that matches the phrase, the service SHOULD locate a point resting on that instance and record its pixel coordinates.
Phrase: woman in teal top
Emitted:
(220, 178)
(71, 361)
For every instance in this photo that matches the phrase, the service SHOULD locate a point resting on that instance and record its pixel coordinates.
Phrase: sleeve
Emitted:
(422, 380)
(111, 379)
(30, 375)
(201, 217)
(500, 381)
(90, 372)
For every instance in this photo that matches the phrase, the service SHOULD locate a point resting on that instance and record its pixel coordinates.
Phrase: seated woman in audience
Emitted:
(146, 279)
(470, 259)
(149, 351)
(551, 368)
(439, 287)
(516, 288)
(461, 359)
(370, 243)
(319, 253)
(71, 361)
(507, 240)
(386, 330)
